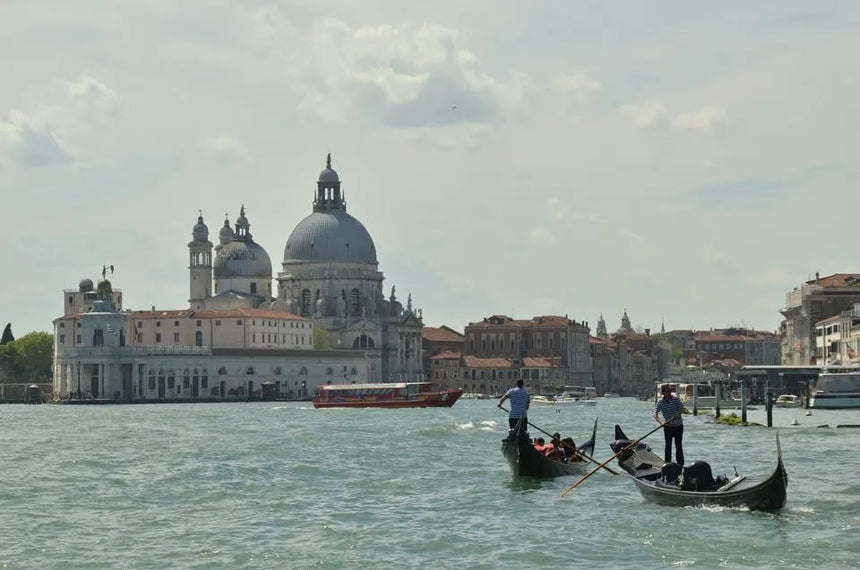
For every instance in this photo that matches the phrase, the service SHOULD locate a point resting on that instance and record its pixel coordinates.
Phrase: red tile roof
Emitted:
(476, 362)
(446, 356)
(837, 280)
(442, 334)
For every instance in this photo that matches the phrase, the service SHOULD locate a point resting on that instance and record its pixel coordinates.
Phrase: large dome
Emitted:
(331, 235)
(242, 259)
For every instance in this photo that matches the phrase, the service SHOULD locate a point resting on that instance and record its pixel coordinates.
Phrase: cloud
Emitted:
(403, 76)
(541, 235)
(579, 88)
(48, 133)
(651, 115)
(640, 247)
(557, 207)
(708, 119)
(656, 115)
(224, 148)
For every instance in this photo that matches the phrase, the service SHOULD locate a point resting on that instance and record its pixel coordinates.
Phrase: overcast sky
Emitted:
(687, 161)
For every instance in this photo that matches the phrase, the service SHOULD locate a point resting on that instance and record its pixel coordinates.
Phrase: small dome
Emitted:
(200, 231)
(332, 235)
(104, 286)
(226, 234)
(85, 286)
(328, 174)
(242, 259)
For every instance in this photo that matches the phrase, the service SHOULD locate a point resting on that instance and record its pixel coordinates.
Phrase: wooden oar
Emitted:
(575, 450)
(617, 453)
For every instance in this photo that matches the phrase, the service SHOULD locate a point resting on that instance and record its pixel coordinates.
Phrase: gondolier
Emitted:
(673, 430)
(520, 401)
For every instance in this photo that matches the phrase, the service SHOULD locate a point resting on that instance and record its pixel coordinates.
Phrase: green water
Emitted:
(275, 485)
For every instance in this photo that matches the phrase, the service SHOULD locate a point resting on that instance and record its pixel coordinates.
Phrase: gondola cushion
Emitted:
(698, 477)
(670, 472)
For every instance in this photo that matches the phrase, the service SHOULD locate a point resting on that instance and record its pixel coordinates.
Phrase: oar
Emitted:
(617, 453)
(578, 452)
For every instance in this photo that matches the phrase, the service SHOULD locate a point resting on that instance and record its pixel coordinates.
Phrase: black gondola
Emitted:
(526, 461)
(670, 484)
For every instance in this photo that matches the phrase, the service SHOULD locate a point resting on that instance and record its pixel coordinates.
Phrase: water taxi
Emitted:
(787, 401)
(385, 395)
(702, 393)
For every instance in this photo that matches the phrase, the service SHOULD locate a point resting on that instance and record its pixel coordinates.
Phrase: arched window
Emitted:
(151, 382)
(303, 371)
(171, 379)
(354, 307)
(353, 371)
(363, 341)
(204, 379)
(198, 338)
(186, 379)
(306, 303)
(329, 371)
(222, 371)
(250, 371)
(277, 370)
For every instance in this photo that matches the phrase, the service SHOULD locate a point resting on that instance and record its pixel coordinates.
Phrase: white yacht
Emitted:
(836, 390)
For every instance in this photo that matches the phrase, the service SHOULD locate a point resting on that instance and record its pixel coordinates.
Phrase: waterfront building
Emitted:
(237, 337)
(552, 350)
(815, 300)
(837, 338)
(440, 340)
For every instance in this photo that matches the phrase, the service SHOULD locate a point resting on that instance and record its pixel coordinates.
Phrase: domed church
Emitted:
(329, 274)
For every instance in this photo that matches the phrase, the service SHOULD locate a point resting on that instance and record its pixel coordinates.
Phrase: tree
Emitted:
(7, 334)
(28, 359)
(37, 354)
(321, 338)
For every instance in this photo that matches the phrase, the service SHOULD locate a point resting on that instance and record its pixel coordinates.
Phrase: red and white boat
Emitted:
(385, 395)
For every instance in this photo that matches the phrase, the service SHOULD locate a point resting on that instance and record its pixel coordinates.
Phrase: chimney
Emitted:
(816, 277)
(647, 332)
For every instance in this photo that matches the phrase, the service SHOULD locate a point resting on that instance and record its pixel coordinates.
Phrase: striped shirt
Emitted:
(520, 400)
(669, 407)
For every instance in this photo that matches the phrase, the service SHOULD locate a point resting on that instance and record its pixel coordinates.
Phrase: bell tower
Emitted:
(200, 265)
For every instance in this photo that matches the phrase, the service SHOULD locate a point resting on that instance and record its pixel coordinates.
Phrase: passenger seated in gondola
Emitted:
(554, 450)
(539, 444)
(568, 448)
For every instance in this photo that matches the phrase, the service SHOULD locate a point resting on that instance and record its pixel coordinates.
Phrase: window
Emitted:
(239, 322)
(171, 380)
(139, 337)
(199, 323)
(98, 337)
(353, 371)
(176, 323)
(151, 382)
(71, 300)
(204, 380)
(354, 307)
(222, 371)
(217, 323)
(158, 323)
(62, 325)
(329, 371)
(175, 337)
(157, 337)
(253, 288)
(78, 339)
(277, 371)
(140, 324)
(62, 339)
(186, 379)
(78, 325)
(306, 303)
(250, 371)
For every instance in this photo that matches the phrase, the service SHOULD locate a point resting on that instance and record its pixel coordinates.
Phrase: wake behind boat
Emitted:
(526, 461)
(670, 484)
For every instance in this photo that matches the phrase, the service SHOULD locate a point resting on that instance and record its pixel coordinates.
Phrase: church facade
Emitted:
(238, 334)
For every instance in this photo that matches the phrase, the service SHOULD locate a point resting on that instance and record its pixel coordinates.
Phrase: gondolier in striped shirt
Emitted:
(520, 401)
(673, 430)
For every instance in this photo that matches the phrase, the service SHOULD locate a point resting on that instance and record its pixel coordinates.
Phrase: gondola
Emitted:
(670, 484)
(526, 461)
